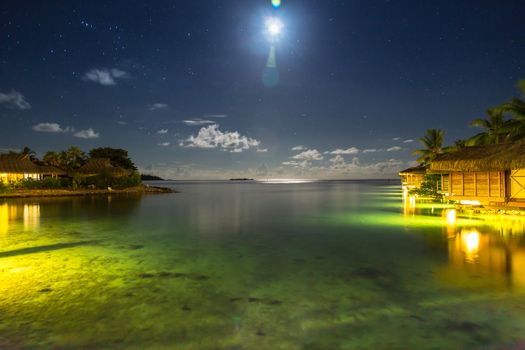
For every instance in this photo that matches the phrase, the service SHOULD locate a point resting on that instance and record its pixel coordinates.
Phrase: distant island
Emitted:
(241, 179)
(146, 177)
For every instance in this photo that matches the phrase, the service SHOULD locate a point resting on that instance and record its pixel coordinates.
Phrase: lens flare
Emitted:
(276, 3)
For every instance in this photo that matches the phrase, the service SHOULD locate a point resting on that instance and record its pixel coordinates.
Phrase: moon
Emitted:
(274, 27)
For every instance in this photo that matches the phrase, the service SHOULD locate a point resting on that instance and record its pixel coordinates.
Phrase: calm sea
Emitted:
(247, 265)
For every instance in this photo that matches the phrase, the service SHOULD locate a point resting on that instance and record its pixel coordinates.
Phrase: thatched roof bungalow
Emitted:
(485, 175)
(15, 167)
(412, 178)
(98, 166)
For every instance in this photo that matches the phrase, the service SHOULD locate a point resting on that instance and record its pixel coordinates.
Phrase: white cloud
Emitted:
(158, 105)
(338, 162)
(120, 122)
(87, 134)
(309, 155)
(162, 131)
(351, 150)
(298, 148)
(197, 122)
(394, 149)
(14, 99)
(262, 150)
(51, 127)
(369, 150)
(408, 141)
(164, 144)
(211, 137)
(397, 139)
(105, 76)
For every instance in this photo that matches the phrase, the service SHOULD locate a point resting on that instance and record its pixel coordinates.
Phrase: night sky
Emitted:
(184, 85)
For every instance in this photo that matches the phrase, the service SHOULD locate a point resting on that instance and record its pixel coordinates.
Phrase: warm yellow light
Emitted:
(469, 202)
(4, 219)
(31, 216)
(472, 241)
(451, 216)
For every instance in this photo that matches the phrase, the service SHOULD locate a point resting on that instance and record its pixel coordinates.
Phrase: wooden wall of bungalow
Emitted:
(492, 175)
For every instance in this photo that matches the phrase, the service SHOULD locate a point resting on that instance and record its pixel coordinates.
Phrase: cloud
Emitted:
(162, 131)
(351, 150)
(105, 76)
(397, 139)
(211, 137)
(120, 122)
(298, 148)
(164, 144)
(14, 99)
(394, 149)
(262, 150)
(51, 128)
(309, 155)
(408, 141)
(87, 134)
(156, 106)
(197, 122)
(369, 150)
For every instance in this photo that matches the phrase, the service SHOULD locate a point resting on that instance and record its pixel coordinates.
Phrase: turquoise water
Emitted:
(325, 265)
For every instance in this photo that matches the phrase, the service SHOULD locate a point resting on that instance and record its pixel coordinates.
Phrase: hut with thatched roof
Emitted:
(484, 175)
(100, 166)
(412, 178)
(15, 167)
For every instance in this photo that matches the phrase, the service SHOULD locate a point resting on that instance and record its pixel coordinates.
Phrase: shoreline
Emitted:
(27, 193)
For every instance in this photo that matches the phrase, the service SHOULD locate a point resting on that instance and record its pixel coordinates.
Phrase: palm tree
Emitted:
(29, 152)
(54, 159)
(433, 142)
(497, 129)
(73, 158)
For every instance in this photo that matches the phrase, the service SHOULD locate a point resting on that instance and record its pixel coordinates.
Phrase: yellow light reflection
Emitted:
(9, 213)
(409, 204)
(31, 216)
(471, 242)
(4, 219)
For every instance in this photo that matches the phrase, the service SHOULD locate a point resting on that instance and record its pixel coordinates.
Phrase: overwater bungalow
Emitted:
(16, 167)
(412, 178)
(491, 175)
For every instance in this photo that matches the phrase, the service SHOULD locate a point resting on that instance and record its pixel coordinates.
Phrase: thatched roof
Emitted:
(21, 164)
(96, 166)
(420, 169)
(482, 158)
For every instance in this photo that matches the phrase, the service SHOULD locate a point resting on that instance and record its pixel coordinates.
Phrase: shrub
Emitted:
(429, 187)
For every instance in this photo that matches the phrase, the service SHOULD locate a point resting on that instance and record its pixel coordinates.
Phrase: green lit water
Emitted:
(332, 265)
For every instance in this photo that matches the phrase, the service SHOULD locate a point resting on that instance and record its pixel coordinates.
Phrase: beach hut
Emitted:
(100, 166)
(490, 175)
(412, 178)
(15, 167)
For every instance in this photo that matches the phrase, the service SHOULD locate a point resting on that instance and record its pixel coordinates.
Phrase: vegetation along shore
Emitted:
(70, 173)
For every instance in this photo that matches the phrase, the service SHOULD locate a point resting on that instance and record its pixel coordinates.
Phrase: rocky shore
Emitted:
(143, 189)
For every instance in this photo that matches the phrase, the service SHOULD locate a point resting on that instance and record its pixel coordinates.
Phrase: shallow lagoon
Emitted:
(325, 265)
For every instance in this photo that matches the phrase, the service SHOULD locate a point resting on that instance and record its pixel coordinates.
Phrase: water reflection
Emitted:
(10, 213)
(493, 250)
